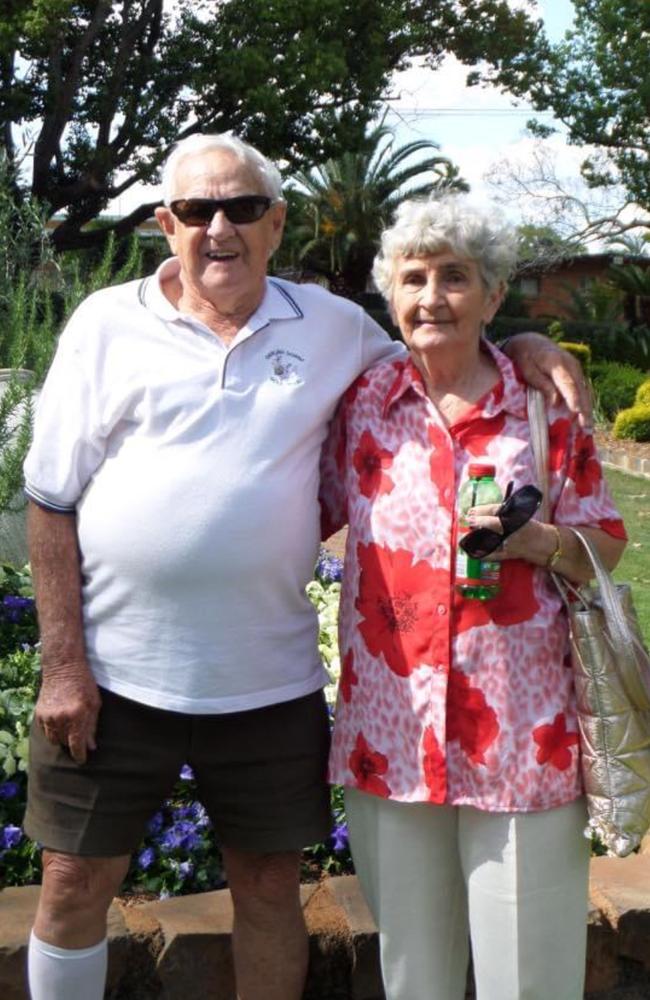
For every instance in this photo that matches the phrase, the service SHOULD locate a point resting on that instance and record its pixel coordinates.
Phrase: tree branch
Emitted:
(69, 234)
(60, 93)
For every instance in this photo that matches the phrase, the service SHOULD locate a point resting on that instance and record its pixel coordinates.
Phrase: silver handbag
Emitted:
(611, 669)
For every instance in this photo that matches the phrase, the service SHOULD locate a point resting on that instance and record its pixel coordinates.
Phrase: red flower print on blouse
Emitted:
(558, 442)
(367, 765)
(477, 433)
(470, 720)
(404, 618)
(441, 450)
(433, 767)
(370, 460)
(584, 467)
(351, 392)
(515, 602)
(614, 527)
(348, 677)
(554, 741)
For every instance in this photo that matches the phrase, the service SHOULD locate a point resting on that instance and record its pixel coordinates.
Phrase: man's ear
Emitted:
(167, 222)
(278, 220)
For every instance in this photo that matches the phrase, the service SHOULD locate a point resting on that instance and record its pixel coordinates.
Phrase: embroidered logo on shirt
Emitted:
(285, 367)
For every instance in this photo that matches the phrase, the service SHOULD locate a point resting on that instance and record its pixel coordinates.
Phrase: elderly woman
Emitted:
(456, 735)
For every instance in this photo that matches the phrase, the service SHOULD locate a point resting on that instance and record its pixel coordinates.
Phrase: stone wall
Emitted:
(179, 949)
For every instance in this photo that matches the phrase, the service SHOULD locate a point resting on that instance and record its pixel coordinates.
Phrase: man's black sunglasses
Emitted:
(516, 509)
(240, 211)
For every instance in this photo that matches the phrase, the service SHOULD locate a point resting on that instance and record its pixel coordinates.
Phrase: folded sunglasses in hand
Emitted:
(516, 509)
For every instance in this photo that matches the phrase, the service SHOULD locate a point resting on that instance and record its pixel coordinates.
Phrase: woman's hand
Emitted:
(538, 543)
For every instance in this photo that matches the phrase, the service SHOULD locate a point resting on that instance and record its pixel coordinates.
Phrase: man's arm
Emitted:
(69, 701)
(548, 367)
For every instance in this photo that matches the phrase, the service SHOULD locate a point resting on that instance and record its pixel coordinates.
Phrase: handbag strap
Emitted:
(624, 639)
(539, 442)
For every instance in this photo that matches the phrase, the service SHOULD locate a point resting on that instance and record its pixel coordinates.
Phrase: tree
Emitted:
(93, 92)
(596, 82)
(543, 244)
(634, 282)
(347, 202)
(578, 214)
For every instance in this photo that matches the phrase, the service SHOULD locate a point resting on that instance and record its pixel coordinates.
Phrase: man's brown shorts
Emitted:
(260, 776)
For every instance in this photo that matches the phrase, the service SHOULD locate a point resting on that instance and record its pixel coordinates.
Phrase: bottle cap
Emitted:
(478, 469)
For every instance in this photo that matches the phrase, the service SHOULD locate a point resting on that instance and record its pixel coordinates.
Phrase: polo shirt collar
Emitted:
(277, 303)
(508, 395)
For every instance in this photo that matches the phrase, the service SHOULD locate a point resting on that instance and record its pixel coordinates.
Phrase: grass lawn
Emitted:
(632, 496)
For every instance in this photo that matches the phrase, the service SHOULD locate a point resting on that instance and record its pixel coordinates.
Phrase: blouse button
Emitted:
(442, 610)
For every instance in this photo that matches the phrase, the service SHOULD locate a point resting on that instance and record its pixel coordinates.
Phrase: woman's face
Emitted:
(440, 301)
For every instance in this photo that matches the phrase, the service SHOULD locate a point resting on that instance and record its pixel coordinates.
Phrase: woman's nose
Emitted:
(432, 291)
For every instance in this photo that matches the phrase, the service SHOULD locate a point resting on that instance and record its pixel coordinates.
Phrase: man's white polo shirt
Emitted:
(193, 471)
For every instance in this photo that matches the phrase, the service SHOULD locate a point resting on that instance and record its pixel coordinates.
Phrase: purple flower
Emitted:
(11, 836)
(340, 840)
(9, 789)
(146, 858)
(155, 824)
(329, 568)
(199, 815)
(187, 774)
(14, 607)
(181, 836)
(186, 869)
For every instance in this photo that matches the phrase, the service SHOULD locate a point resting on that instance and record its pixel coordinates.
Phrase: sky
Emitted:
(476, 127)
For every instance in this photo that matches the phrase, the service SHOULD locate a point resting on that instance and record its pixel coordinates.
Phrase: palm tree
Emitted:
(347, 201)
(634, 281)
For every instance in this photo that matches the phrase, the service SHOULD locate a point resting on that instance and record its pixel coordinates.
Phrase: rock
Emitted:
(602, 971)
(620, 887)
(195, 946)
(17, 911)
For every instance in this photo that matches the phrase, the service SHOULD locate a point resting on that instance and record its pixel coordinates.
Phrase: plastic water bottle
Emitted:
(477, 578)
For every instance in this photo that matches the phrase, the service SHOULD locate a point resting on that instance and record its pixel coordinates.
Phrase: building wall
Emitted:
(546, 293)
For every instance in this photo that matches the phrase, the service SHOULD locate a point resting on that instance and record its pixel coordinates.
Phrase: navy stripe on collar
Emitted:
(292, 302)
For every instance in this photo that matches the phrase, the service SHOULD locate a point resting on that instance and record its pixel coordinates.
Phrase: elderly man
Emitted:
(173, 526)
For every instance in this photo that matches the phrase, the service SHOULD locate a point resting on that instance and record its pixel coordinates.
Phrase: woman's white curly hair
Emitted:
(422, 228)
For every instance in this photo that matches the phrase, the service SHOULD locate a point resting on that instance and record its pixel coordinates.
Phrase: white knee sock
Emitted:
(66, 973)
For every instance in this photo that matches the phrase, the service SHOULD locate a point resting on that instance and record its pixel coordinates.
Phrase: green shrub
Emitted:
(37, 295)
(556, 331)
(642, 397)
(608, 341)
(580, 351)
(633, 423)
(179, 853)
(615, 386)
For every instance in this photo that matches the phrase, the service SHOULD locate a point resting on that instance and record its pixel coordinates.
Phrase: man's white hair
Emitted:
(422, 228)
(197, 144)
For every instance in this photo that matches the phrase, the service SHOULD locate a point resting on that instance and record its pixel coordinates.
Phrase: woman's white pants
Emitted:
(436, 876)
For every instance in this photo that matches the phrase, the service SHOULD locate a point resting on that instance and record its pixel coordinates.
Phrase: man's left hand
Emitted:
(548, 367)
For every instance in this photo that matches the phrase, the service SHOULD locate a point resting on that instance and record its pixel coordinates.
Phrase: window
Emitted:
(529, 287)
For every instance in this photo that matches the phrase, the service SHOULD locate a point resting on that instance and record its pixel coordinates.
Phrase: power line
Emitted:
(464, 112)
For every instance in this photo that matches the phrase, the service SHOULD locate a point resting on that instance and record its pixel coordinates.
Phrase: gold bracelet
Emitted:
(557, 553)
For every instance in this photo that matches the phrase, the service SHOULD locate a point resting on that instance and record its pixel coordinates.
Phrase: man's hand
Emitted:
(548, 367)
(67, 709)
(69, 701)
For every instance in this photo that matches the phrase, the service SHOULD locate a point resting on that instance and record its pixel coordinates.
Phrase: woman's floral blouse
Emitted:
(445, 699)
